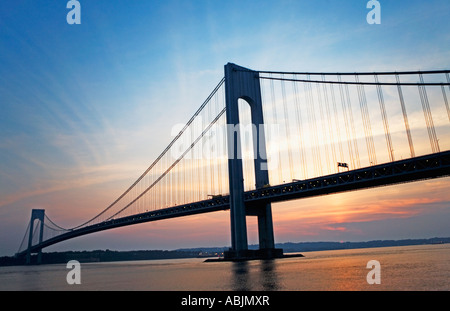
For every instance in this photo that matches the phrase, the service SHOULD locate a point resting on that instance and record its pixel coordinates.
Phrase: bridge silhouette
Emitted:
(262, 137)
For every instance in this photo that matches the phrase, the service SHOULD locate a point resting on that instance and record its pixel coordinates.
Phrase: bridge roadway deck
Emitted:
(408, 170)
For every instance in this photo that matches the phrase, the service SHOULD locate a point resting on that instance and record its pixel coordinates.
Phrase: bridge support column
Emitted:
(39, 215)
(242, 83)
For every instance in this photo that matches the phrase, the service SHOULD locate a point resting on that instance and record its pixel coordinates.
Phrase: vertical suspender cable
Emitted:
(166, 186)
(288, 130)
(428, 118)
(275, 119)
(448, 80)
(145, 203)
(204, 167)
(387, 133)
(366, 122)
(448, 84)
(338, 125)
(224, 143)
(445, 96)
(211, 167)
(405, 117)
(219, 161)
(155, 202)
(347, 127)
(310, 124)
(352, 124)
(312, 120)
(24, 237)
(330, 125)
(324, 131)
(176, 185)
(299, 129)
(215, 144)
(171, 187)
(160, 184)
(445, 101)
(184, 180)
(199, 158)
(204, 162)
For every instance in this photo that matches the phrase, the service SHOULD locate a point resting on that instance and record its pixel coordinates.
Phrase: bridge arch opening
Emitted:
(248, 143)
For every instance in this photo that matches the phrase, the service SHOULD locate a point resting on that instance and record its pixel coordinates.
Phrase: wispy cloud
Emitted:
(334, 213)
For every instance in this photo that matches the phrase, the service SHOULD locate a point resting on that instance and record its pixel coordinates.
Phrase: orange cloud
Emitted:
(343, 229)
(310, 217)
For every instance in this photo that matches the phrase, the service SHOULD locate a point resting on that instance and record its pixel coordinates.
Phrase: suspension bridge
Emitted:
(262, 137)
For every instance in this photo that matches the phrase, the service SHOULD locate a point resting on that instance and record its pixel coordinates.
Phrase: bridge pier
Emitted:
(39, 215)
(242, 83)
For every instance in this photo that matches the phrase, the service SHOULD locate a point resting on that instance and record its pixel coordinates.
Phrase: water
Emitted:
(423, 268)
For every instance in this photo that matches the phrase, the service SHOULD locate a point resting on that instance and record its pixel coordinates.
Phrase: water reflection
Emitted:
(240, 276)
(268, 275)
(255, 275)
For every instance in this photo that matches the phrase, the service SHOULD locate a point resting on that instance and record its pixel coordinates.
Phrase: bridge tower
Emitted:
(39, 215)
(242, 83)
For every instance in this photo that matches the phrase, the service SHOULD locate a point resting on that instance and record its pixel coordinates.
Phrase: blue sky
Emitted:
(86, 108)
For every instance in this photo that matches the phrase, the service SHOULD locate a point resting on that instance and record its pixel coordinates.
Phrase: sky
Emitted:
(85, 108)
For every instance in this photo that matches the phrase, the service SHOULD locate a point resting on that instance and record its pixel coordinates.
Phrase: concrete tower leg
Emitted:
(242, 83)
(39, 215)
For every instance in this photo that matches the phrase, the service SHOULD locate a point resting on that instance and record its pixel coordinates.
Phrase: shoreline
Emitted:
(210, 254)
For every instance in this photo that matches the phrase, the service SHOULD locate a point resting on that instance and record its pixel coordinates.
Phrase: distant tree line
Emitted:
(109, 255)
(99, 256)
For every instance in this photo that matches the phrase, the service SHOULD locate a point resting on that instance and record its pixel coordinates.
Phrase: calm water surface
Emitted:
(424, 267)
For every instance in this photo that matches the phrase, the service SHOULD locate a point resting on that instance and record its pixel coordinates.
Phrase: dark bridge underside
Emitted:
(418, 168)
